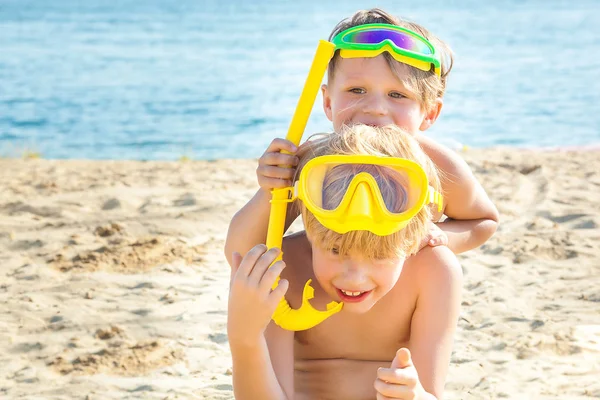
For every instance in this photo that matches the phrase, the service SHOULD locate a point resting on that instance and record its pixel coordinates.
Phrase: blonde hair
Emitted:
(425, 84)
(389, 141)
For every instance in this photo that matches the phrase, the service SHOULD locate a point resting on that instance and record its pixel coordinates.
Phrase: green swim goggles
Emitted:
(404, 45)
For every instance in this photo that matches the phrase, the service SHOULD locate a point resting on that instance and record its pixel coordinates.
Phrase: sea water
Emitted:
(163, 79)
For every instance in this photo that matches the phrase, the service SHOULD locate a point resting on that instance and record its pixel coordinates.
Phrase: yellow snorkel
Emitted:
(306, 316)
(367, 40)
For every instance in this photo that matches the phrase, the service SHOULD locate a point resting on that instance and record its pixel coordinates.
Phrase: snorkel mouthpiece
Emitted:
(306, 316)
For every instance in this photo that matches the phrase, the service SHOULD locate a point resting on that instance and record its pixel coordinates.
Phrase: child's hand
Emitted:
(401, 381)
(435, 237)
(276, 169)
(251, 301)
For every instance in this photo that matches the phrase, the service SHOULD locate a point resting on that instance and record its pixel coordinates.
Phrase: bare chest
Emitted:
(376, 335)
(347, 350)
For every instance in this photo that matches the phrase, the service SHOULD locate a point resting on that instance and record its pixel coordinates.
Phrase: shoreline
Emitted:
(464, 148)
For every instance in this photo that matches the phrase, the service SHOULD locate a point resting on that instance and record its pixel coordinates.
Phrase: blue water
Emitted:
(161, 79)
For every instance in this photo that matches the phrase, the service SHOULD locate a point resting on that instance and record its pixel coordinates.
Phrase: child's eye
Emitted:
(335, 250)
(397, 95)
(357, 90)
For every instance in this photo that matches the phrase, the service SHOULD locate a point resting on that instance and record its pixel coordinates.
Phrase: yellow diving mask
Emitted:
(344, 192)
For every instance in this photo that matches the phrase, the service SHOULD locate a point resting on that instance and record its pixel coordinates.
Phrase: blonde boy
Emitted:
(392, 339)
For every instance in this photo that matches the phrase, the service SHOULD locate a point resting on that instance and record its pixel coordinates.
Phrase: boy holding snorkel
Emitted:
(393, 337)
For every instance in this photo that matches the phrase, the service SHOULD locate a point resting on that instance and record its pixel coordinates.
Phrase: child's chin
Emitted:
(359, 308)
(357, 312)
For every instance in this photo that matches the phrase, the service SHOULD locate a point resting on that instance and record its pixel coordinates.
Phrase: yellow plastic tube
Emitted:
(306, 316)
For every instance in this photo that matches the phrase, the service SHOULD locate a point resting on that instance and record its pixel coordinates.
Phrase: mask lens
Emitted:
(392, 185)
(402, 40)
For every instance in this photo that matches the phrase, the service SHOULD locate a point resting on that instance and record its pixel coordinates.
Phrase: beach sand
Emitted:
(113, 283)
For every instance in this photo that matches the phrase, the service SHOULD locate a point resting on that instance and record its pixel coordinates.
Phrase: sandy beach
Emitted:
(113, 283)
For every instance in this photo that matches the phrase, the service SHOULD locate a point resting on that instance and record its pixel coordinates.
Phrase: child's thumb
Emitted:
(236, 260)
(402, 359)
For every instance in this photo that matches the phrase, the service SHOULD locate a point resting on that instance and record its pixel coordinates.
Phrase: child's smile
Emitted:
(349, 296)
(360, 284)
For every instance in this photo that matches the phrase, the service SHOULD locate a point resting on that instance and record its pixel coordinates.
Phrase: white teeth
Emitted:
(352, 294)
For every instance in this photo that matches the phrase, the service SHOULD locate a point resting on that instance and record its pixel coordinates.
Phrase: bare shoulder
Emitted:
(451, 164)
(435, 266)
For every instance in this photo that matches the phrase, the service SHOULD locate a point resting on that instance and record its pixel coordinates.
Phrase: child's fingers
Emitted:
(397, 376)
(278, 159)
(403, 358)
(424, 241)
(271, 275)
(236, 260)
(271, 171)
(279, 144)
(438, 240)
(443, 239)
(249, 260)
(387, 390)
(277, 293)
(261, 265)
(274, 183)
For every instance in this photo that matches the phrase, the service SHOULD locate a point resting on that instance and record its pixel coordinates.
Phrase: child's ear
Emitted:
(432, 114)
(326, 102)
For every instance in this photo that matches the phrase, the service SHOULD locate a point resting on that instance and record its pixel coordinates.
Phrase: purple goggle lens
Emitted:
(400, 39)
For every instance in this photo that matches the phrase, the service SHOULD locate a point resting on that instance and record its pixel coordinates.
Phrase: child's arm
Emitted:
(249, 225)
(436, 316)
(439, 285)
(421, 372)
(260, 371)
(472, 217)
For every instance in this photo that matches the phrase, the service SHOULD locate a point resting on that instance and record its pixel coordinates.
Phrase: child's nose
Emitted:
(355, 274)
(375, 105)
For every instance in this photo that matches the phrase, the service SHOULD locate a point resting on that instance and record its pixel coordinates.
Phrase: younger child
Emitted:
(393, 337)
(380, 91)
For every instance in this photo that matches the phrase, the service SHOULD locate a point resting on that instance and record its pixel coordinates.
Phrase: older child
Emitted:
(393, 337)
(380, 91)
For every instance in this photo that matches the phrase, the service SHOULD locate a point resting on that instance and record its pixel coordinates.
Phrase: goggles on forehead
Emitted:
(404, 45)
(361, 179)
